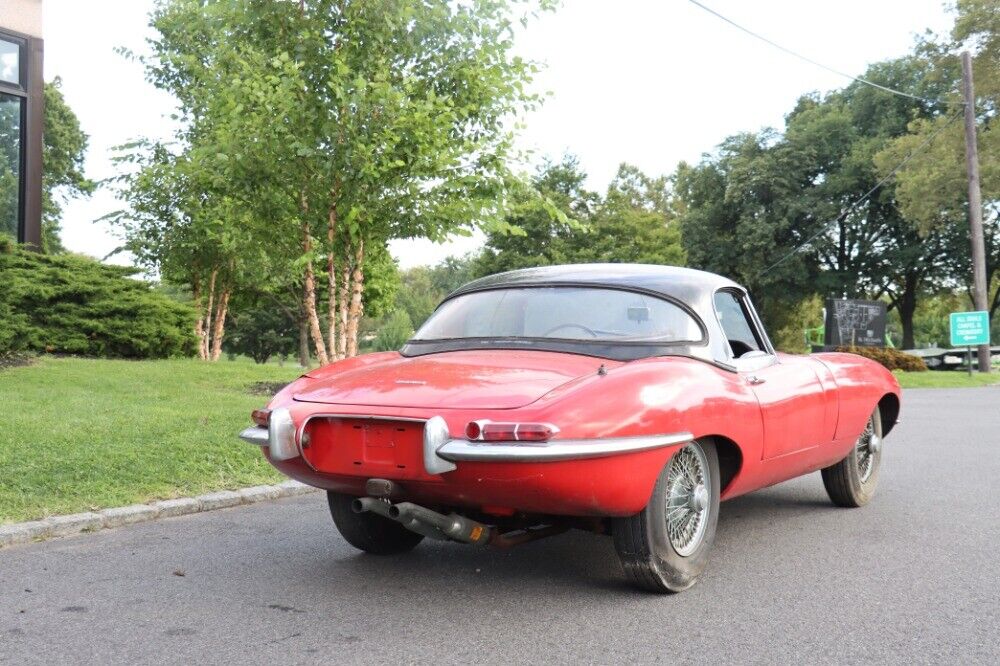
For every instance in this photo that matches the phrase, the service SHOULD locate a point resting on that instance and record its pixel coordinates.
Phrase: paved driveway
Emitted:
(912, 578)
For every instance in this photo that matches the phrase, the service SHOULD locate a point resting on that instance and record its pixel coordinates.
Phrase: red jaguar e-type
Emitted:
(626, 399)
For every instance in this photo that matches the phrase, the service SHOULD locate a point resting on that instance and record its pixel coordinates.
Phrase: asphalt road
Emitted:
(912, 578)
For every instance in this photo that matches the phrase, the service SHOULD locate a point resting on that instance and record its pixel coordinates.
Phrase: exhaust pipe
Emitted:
(429, 523)
(382, 508)
(362, 504)
(453, 525)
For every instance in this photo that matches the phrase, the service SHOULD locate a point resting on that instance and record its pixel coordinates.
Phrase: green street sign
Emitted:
(969, 329)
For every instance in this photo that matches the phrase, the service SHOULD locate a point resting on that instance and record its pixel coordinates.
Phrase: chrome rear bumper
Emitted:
(441, 452)
(278, 437)
(255, 435)
(558, 449)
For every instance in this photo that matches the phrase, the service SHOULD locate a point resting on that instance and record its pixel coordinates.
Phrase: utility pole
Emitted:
(975, 203)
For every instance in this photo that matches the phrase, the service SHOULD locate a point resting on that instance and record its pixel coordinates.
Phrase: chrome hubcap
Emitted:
(699, 498)
(688, 499)
(866, 450)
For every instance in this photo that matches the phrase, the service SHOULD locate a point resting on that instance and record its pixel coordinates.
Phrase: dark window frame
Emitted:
(750, 316)
(20, 88)
(31, 91)
(22, 185)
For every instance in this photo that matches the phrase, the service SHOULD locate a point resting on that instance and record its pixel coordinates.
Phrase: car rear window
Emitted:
(561, 313)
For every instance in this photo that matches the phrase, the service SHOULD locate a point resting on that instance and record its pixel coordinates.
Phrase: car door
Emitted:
(792, 399)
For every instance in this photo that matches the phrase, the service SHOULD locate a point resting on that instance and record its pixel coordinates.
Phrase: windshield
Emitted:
(562, 313)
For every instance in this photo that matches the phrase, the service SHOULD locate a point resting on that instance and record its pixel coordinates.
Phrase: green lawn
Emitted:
(79, 434)
(945, 379)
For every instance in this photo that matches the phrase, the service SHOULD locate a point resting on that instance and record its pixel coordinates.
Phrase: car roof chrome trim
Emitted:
(462, 450)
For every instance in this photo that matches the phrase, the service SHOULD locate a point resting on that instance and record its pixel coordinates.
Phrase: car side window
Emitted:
(736, 324)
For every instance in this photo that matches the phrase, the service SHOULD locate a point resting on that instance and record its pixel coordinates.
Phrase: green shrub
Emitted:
(262, 332)
(67, 304)
(891, 359)
(394, 333)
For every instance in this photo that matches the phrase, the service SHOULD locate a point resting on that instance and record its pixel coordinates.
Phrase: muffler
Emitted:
(424, 521)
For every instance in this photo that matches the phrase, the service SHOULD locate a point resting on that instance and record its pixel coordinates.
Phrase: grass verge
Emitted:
(80, 434)
(945, 379)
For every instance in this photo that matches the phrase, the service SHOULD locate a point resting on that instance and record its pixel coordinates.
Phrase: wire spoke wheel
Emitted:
(665, 547)
(689, 488)
(852, 481)
(866, 448)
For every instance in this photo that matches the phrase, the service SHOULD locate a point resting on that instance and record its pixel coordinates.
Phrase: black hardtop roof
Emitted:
(687, 285)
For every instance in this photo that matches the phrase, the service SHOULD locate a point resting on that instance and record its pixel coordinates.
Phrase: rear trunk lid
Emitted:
(486, 379)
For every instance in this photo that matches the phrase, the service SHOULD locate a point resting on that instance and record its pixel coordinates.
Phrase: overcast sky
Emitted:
(650, 82)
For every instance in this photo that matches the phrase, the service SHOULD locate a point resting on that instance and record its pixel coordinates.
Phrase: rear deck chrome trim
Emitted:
(461, 450)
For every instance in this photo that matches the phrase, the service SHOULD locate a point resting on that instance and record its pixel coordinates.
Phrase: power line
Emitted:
(926, 100)
(850, 209)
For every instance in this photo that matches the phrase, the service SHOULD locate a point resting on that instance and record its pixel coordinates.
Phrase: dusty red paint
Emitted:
(805, 416)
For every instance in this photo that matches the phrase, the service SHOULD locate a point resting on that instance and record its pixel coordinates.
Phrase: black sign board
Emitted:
(854, 323)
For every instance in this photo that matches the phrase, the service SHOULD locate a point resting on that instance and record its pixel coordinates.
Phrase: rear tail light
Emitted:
(499, 432)
(534, 432)
(261, 417)
(489, 431)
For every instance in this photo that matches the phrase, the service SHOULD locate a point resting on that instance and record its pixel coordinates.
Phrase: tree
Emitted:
(451, 273)
(394, 332)
(932, 187)
(422, 288)
(807, 210)
(260, 333)
(559, 222)
(64, 149)
(190, 227)
(633, 224)
(418, 295)
(741, 210)
(541, 221)
(353, 122)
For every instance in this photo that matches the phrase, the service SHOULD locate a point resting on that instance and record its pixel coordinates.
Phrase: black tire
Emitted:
(650, 560)
(847, 482)
(368, 531)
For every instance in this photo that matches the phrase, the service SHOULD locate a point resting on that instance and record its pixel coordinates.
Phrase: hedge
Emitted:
(892, 359)
(69, 304)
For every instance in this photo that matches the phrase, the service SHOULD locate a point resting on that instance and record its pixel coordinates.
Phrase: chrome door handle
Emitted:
(754, 380)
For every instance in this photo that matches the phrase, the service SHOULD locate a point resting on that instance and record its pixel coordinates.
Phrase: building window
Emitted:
(11, 133)
(10, 63)
(20, 138)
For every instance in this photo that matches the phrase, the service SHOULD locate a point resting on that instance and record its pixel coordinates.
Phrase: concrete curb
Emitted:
(60, 526)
